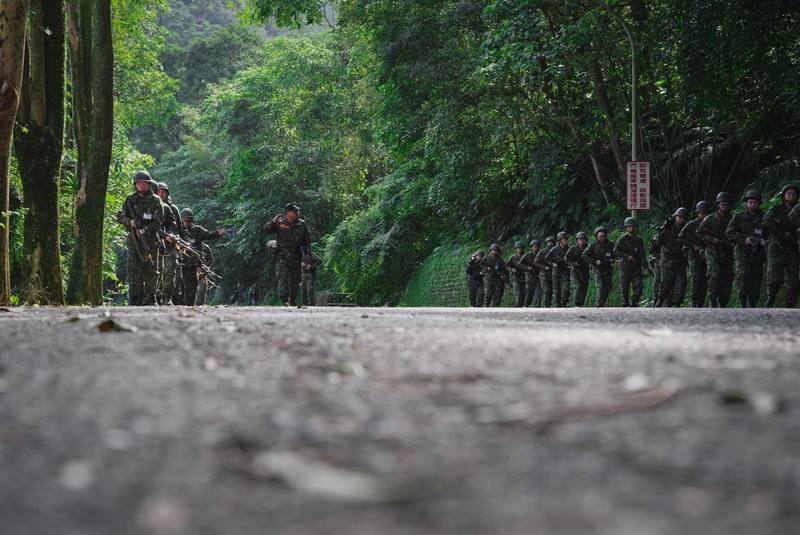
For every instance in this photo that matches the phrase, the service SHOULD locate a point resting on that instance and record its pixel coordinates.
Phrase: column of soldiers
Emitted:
(717, 248)
(168, 259)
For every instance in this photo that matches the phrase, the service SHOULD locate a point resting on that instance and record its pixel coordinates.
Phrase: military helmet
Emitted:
(753, 194)
(153, 186)
(494, 247)
(141, 176)
(562, 235)
(787, 187)
(292, 207)
(550, 239)
(630, 222)
(163, 185)
(480, 253)
(598, 230)
(535, 242)
(723, 196)
(581, 235)
(702, 206)
(187, 212)
(681, 212)
(519, 245)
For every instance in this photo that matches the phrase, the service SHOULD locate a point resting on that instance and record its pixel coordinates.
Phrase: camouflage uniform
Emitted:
(673, 266)
(601, 257)
(169, 269)
(202, 277)
(533, 286)
(580, 273)
(545, 277)
(474, 282)
(557, 258)
(749, 258)
(494, 279)
(148, 213)
(189, 266)
(783, 257)
(719, 258)
(293, 239)
(308, 278)
(697, 261)
(653, 260)
(631, 245)
(514, 265)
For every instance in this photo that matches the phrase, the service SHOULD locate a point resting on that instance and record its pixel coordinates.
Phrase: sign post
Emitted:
(638, 186)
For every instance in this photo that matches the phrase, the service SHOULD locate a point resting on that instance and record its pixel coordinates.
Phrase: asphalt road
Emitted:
(397, 421)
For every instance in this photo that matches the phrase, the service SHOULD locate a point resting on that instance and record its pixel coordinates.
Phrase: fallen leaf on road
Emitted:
(111, 325)
(657, 332)
(762, 403)
(640, 401)
(326, 481)
(72, 319)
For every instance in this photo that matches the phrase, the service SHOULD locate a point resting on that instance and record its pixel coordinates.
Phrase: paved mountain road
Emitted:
(234, 420)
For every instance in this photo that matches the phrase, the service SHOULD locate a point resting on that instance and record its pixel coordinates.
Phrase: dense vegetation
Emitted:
(401, 125)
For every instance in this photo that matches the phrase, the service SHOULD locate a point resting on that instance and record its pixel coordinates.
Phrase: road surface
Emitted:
(397, 421)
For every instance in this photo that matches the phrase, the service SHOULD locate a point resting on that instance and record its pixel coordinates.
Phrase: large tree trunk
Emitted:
(604, 102)
(92, 62)
(39, 144)
(12, 46)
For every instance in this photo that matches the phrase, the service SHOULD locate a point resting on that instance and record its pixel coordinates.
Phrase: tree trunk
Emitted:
(12, 47)
(608, 115)
(92, 60)
(39, 146)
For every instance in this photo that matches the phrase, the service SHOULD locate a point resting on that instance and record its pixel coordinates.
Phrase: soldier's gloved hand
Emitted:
(748, 241)
(221, 232)
(276, 219)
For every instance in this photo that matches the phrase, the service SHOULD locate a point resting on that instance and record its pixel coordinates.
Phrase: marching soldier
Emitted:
(308, 278)
(533, 286)
(672, 262)
(695, 252)
(600, 255)
(746, 232)
(545, 272)
(783, 256)
(475, 279)
(203, 278)
(514, 265)
(579, 267)
(142, 214)
(293, 242)
(557, 257)
(169, 265)
(630, 251)
(719, 255)
(494, 277)
(190, 264)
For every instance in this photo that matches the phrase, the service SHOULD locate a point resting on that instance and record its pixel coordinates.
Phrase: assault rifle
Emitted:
(137, 234)
(185, 248)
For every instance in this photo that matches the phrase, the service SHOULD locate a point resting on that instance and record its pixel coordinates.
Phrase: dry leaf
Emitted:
(326, 481)
(111, 325)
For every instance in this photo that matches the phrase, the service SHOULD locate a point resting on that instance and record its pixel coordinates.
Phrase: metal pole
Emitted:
(634, 84)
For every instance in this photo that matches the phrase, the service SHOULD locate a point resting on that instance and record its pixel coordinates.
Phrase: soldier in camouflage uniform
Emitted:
(169, 265)
(203, 278)
(294, 242)
(695, 252)
(475, 279)
(579, 268)
(746, 232)
(533, 286)
(308, 278)
(557, 257)
(783, 257)
(652, 260)
(517, 271)
(719, 254)
(494, 277)
(672, 262)
(142, 213)
(190, 264)
(600, 255)
(546, 272)
(630, 251)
